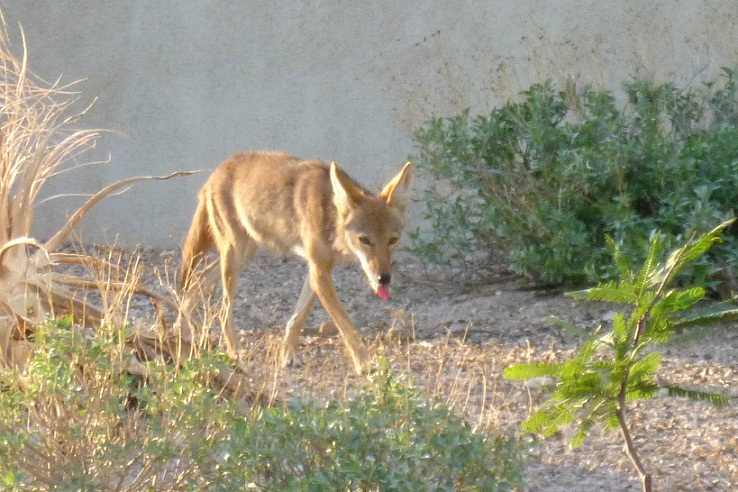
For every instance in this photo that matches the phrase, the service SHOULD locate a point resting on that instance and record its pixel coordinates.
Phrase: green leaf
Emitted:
(717, 313)
(715, 399)
(688, 253)
(641, 390)
(650, 265)
(704, 243)
(578, 438)
(620, 333)
(580, 391)
(679, 300)
(548, 421)
(531, 370)
(609, 292)
(646, 366)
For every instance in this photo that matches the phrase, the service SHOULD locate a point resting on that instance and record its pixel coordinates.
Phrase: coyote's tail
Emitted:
(199, 240)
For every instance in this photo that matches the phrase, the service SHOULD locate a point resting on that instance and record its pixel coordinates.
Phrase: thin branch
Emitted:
(134, 288)
(646, 479)
(56, 241)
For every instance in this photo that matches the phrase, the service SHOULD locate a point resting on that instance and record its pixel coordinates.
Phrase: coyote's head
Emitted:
(370, 226)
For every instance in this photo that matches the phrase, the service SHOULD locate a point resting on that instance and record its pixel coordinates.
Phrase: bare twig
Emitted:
(62, 235)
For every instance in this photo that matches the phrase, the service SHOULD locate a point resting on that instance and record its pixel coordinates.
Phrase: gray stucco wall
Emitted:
(186, 84)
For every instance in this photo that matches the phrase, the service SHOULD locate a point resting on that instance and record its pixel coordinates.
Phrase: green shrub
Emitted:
(75, 420)
(387, 438)
(546, 179)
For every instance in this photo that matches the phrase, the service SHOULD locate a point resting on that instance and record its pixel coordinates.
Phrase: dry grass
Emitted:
(37, 142)
(45, 280)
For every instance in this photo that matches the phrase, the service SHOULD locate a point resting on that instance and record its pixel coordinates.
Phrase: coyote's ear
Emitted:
(397, 192)
(346, 195)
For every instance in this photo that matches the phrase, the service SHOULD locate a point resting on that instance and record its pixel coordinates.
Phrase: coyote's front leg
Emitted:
(322, 283)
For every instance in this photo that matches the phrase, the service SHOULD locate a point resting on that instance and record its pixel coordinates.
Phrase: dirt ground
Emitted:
(464, 336)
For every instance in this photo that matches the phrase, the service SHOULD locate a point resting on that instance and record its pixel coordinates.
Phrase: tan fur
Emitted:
(310, 209)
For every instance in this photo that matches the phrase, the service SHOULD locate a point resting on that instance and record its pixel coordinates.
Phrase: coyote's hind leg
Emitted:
(232, 260)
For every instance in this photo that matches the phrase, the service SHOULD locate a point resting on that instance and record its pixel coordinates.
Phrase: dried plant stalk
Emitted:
(36, 143)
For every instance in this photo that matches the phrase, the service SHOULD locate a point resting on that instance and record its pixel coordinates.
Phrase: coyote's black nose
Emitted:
(384, 278)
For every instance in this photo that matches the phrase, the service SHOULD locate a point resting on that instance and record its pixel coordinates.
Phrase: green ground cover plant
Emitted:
(617, 365)
(546, 179)
(75, 420)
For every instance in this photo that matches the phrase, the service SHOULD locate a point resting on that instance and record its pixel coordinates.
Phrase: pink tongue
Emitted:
(383, 291)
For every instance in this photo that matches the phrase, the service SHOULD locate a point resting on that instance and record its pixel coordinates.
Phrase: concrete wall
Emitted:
(186, 84)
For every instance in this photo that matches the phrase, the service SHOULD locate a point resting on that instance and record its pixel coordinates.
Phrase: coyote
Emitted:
(308, 208)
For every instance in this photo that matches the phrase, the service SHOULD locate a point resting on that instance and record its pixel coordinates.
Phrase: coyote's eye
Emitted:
(365, 241)
(393, 241)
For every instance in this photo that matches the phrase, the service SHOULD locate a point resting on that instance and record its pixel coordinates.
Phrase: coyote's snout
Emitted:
(308, 208)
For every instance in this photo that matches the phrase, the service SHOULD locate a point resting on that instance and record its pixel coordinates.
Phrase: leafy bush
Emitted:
(75, 420)
(387, 438)
(615, 366)
(548, 178)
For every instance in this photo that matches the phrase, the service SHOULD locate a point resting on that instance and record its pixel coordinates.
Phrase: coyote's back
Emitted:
(238, 199)
(308, 208)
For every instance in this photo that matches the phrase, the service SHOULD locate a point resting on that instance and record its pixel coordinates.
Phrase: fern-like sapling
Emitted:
(618, 365)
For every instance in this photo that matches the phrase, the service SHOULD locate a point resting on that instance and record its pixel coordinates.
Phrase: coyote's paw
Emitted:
(363, 362)
(291, 359)
(328, 329)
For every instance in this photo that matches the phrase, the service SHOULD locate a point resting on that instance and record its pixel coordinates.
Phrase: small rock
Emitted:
(609, 315)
